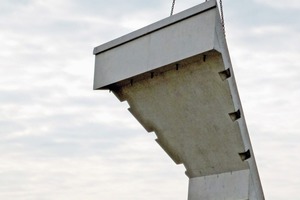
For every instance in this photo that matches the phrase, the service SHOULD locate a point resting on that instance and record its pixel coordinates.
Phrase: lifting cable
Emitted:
(221, 10)
(222, 16)
(172, 9)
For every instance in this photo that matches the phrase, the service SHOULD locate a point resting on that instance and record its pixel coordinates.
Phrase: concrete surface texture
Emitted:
(188, 109)
(230, 185)
(177, 78)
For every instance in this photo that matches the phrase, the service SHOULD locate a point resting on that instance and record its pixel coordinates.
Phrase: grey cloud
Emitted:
(278, 4)
(110, 8)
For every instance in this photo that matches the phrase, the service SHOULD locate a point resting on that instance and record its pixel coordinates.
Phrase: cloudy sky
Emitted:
(60, 140)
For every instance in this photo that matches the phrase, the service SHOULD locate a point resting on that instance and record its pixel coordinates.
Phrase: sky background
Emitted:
(61, 140)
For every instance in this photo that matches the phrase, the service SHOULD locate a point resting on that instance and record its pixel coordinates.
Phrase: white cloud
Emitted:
(88, 167)
(291, 4)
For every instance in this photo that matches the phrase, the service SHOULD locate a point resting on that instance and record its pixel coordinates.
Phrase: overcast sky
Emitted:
(61, 140)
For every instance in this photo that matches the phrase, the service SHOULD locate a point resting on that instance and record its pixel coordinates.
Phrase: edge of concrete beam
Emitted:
(156, 26)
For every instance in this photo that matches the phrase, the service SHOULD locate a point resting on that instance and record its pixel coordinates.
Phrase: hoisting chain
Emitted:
(172, 9)
(222, 16)
(221, 10)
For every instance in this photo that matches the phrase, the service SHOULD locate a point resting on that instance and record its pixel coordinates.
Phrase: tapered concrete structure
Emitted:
(177, 78)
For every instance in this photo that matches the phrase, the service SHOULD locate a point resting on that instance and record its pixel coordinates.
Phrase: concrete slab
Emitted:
(177, 78)
(157, 45)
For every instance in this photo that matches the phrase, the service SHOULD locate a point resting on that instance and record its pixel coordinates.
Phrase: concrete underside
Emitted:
(188, 108)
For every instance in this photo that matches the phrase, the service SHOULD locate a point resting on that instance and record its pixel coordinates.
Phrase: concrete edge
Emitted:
(156, 26)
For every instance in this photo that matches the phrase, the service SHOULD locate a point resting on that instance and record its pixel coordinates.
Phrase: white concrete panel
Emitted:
(196, 10)
(225, 186)
(176, 41)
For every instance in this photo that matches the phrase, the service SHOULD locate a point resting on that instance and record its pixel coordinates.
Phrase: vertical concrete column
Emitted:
(232, 185)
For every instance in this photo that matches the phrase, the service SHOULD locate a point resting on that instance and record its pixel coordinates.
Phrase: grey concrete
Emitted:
(230, 185)
(188, 110)
(155, 26)
(179, 83)
(150, 49)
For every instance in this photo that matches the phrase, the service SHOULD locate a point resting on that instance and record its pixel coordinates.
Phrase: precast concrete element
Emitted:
(177, 78)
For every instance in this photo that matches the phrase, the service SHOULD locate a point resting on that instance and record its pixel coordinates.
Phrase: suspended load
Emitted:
(177, 78)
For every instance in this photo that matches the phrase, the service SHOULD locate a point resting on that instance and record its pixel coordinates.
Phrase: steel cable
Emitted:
(172, 9)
